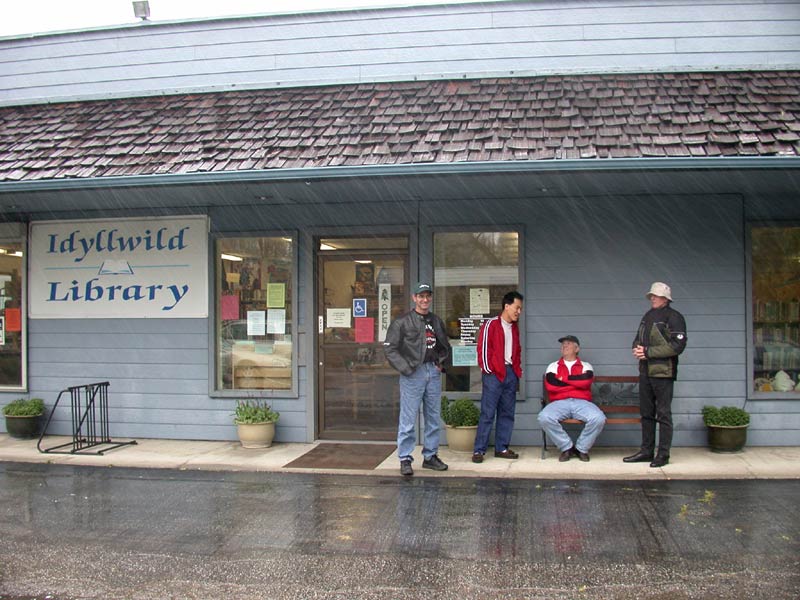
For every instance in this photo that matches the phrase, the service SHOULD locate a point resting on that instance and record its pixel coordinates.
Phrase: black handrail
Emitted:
(87, 402)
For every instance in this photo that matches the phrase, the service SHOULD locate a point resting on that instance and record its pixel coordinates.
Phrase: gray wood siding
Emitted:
(470, 40)
(587, 269)
(587, 265)
(158, 371)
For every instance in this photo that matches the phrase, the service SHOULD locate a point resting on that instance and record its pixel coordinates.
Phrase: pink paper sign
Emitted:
(229, 307)
(365, 330)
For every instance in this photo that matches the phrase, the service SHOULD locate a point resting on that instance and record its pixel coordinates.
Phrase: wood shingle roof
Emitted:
(545, 118)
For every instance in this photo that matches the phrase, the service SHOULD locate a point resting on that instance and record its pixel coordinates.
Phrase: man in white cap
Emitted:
(660, 339)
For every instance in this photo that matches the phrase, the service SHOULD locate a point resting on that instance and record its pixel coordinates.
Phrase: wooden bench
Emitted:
(616, 395)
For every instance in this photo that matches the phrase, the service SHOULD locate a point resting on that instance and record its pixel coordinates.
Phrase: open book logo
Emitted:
(116, 267)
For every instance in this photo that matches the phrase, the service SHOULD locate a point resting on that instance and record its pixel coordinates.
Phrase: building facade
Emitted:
(207, 211)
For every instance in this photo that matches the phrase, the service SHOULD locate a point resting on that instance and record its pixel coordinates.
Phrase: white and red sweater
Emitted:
(575, 382)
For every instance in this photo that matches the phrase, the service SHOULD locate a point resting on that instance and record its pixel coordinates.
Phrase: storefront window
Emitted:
(472, 273)
(776, 308)
(11, 339)
(254, 313)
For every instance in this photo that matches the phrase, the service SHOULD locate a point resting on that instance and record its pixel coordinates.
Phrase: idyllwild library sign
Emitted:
(125, 268)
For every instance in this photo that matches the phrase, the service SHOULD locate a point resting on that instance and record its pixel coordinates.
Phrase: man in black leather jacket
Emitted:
(660, 339)
(416, 345)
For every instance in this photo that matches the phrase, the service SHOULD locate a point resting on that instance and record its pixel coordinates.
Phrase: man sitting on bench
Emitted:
(569, 385)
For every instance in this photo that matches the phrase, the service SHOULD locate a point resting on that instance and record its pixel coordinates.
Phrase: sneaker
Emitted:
(405, 468)
(435, 463)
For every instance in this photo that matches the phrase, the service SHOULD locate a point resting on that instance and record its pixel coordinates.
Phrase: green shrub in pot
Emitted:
(727, 428)
(24, 407)
(726, 416)
(254, 411)
(460, 413)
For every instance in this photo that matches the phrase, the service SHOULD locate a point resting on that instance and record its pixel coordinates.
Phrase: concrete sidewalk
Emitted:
(606, 463)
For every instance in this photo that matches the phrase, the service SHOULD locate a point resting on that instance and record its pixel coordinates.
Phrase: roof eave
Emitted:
(399, 170)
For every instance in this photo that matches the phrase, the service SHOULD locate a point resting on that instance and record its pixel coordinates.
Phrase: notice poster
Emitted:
(365, 330)
(339, 317)
(256, 322)
(276, 295)
(465, 356)
(229, 307)
(276, 320)
(13, 319)
(479, 301)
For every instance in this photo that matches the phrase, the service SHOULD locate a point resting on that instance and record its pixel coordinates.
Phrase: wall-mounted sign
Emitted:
(384, 309)
(339, 317)
(359, 307)
(469, 327)
(479, 301)
(465, 356)
(125, 268)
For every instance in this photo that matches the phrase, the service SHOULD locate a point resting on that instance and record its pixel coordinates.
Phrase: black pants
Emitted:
(655, 405)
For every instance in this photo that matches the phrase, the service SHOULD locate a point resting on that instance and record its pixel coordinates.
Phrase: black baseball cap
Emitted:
(569, 338)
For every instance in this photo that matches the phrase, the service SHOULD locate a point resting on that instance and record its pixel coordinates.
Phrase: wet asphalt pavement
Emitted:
(81, 532)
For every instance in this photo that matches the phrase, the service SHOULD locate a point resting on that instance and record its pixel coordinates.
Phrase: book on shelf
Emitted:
(774, 311)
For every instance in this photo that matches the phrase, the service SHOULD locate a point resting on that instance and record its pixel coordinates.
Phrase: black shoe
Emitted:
(660, 460)
(565, 455)
(507, 453)
(405, 468)
(477, 457)
(435, 463)
(640, 456)
(583, 456)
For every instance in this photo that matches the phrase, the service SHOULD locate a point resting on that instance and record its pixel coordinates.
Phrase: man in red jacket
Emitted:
(500, 359)
(569, 384)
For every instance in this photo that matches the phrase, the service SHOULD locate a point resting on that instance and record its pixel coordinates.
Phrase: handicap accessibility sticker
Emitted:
(359, 307)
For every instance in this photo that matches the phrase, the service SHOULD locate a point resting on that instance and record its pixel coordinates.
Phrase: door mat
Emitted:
(343, 456)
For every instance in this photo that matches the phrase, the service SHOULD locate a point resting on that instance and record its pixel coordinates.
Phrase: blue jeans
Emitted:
(422, 387)
(572, 408)
(497, 398)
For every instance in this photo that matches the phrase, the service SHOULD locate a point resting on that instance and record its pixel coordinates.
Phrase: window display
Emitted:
(254, 313)
(776, 308)
(472, 273)
(11, 338)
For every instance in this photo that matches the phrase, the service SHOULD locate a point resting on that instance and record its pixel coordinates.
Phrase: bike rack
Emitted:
(89, 421)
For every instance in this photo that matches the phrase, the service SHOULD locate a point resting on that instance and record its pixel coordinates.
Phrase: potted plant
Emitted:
(255, 423)
(22, 417)
(461, 422)
(727, 428)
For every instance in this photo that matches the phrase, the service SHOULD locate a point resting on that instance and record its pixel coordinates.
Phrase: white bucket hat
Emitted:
(660, 289)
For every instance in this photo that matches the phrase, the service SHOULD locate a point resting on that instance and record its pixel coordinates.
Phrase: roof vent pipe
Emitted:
(141, 9)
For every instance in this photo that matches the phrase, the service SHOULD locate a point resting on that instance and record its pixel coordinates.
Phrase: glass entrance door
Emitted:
(362, 288)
